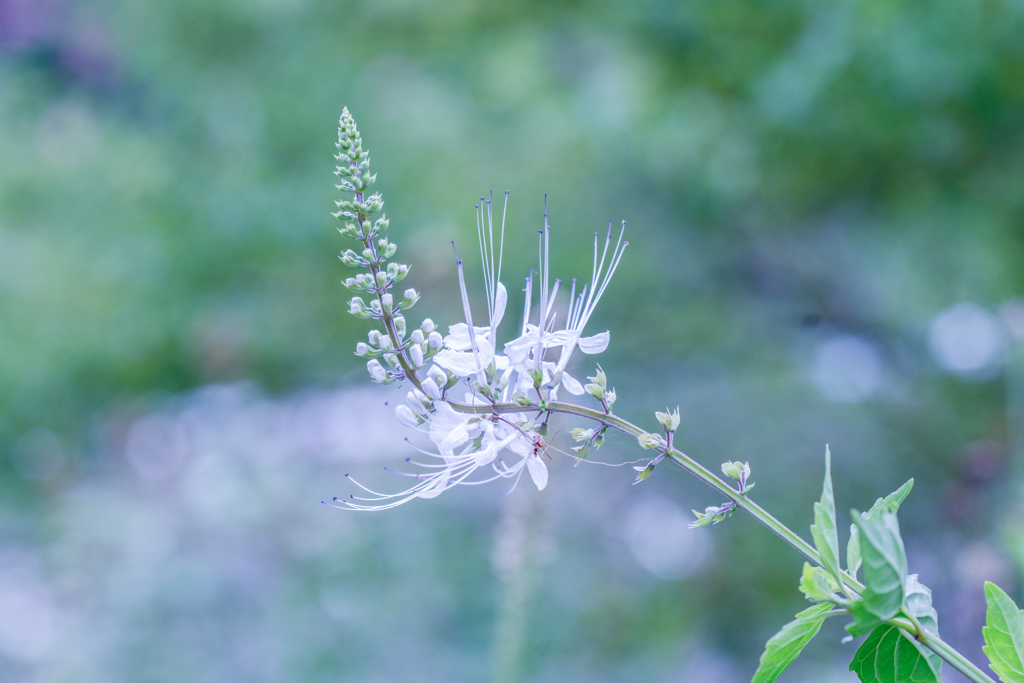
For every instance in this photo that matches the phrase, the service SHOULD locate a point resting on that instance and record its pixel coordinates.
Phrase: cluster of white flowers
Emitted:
(484, 406)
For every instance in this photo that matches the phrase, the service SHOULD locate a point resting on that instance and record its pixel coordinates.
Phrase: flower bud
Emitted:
(736, 470)
(411, 297)
(351, 259)
(609, 398)
(580, 434)
(521, 399)
(435, 340)
(649, 441)
(430, 389)
(416, 354)
(645, 472)
(703, 518)
(670, 421)
(406, 416)
(377, 371)
(357, 308)
(417, 397)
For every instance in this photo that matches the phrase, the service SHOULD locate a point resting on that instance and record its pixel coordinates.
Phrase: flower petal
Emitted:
(596, 344)
(459, 363)
(538, 471)
(571, 384)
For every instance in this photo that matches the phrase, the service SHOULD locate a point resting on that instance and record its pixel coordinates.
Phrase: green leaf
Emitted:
(1004, 635)
(853, 551)
(826, 540)
(817, 584)
(890, 503)
(889, 657)
(786, 645)
(885, 565)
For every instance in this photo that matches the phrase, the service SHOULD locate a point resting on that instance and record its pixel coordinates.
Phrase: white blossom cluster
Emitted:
(482, 403)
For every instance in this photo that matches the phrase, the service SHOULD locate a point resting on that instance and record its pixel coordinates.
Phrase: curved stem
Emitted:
(680, 458)
(922, 635)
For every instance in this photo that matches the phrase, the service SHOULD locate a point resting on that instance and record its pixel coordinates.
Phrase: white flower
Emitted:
(471, 439)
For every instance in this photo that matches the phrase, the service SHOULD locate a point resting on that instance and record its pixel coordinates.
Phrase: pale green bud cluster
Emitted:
(649, 441)
(712, 514)
(588, 439)
(670, 421)
(598, 388)
(392, 353)
(740, 471)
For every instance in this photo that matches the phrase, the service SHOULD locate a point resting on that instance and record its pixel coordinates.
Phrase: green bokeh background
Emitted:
(807, 186)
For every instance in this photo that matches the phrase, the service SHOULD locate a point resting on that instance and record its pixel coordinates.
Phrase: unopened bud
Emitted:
(670, 421)
(377, 371)
(650, 441)
(406, 416)
(645, 472)
(580, 434)
(430, 389)
(416, 354)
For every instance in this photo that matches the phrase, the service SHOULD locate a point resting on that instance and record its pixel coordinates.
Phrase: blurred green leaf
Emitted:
(826, 540)
(786, 645)
(885, 566)
(891, 502)
(1004, 635)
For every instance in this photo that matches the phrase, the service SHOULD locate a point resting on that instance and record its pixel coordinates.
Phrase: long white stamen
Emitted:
(465, 308)
(501, 242)
(529, 298)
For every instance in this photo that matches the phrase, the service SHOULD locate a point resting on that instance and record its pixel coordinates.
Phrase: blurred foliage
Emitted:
(792, 173)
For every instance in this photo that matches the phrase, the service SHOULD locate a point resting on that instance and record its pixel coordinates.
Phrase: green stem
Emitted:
(954, 658)
(925, 637)
(680, 458)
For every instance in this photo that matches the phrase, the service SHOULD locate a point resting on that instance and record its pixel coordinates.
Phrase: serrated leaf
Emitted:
(1004, 635)
(891, 503)
(885, 566)
(887, 656)
(817, 584)
(823, 531)
(786, 645)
